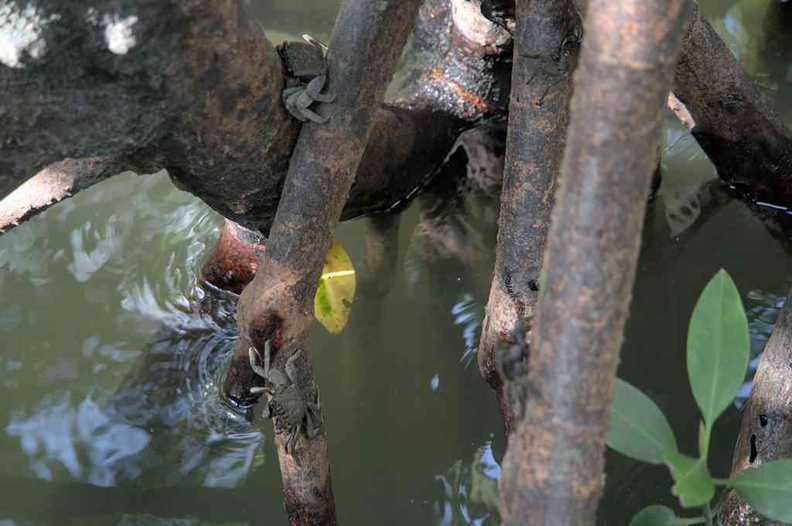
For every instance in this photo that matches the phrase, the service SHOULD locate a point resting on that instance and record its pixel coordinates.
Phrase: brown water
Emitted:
(112, 351)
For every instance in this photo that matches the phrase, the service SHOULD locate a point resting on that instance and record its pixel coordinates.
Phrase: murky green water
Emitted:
(112, 353)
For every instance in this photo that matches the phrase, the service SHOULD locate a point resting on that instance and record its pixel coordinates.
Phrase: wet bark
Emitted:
(277, 306)
(739, 131)
(233, 262)
(545, 56)
(766, 431)
(459, 62)
(553, 467)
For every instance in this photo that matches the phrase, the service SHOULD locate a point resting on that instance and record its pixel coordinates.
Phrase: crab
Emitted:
(294, 401)
(306, 66)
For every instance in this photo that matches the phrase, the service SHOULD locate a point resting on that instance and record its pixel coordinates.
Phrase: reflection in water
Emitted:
(762, 309)
(470, 491)
(467, 314)
(98, 398)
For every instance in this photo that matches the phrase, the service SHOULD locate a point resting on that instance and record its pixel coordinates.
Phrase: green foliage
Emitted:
(717, 356)
(718, 345)
(693, 484)
(654, 516)
(768, 489)
(638, 427)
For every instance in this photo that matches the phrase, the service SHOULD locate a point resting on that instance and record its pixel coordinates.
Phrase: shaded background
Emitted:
(112, 351)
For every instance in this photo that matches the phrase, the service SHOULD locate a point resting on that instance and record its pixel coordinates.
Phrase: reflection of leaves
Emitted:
(470, 491)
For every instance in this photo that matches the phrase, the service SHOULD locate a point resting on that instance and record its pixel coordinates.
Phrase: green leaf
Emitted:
(336, 291)
(694, 486)
(717, 346)
(637, 426)
(768, 489)
(654, 516)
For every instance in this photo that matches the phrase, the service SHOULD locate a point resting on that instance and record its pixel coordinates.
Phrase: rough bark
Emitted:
(194, 88)
(545, 56)
(277, 306)
(742, 135)
(197, 94)
(553, 468)
(459, 64)
(766, 431)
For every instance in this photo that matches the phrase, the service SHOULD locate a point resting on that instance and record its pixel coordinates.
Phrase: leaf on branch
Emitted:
(637, 426)
(333, 300)
(768, 489)
(693, 484)
(655, 515)
(718, 346)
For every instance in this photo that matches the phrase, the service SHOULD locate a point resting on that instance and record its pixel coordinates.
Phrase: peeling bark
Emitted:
(546, 53)
(766, 431)
(553, 468)
(277, 306)
(739, 131)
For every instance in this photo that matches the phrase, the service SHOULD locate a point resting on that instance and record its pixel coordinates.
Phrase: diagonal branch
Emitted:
(277, 306)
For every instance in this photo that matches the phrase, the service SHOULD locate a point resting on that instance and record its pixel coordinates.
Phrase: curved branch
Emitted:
(52, 185)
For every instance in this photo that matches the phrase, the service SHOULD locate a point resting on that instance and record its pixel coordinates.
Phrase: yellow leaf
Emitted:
(333, 300)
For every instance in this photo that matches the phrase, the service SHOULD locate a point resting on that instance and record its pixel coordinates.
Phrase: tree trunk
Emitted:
(545, 55)
(277, 306)
(766, 431)
(553, 468)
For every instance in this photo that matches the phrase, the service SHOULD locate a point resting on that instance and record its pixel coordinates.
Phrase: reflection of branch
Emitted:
(51, 185)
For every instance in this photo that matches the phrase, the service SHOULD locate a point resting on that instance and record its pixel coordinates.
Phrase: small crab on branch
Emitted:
(306, 68)
(294, 400)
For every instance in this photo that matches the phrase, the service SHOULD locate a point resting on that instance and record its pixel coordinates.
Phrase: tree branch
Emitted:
(737, 129)
(766, 431)
(52, 185)
(553, 468)
(545, 56)
(277, 306)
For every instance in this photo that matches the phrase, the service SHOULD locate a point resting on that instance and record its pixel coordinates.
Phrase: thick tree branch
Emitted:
(766, 431)
(553, 468)
(545, 56)
(195, 91)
